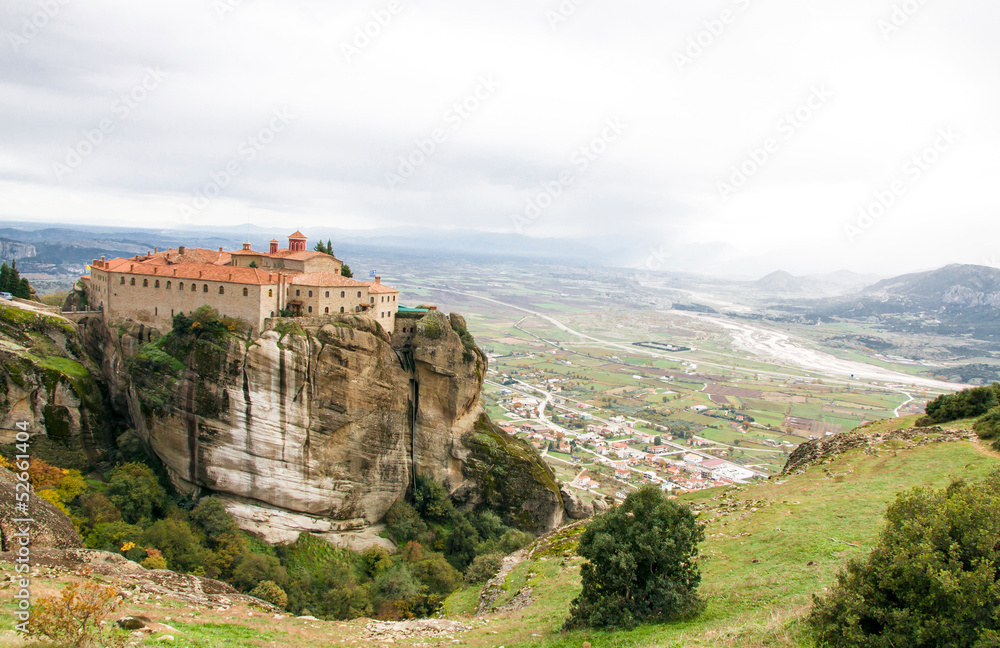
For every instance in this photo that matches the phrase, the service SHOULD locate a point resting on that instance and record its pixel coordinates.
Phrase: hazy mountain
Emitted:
(953, 300)
(813, 285)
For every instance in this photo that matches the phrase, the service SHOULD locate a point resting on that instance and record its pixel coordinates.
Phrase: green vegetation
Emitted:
(641, 564)
(12, 282)
(932, 579)
(981, 402)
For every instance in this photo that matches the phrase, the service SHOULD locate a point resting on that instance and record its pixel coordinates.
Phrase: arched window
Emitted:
(222, 290)
(272, 313)
(372, 300)
(343, 294)
(204, 288)
(246, 292)
(310, 309)
(156, 284)
(123, 281)
(310, 293)
(194, 287)
(341, 309)
(168, 286)
(327, 293)
(359, 293)
(133, 281)
(145, 283)
(326, 310)
(180, 286)
(270, 293)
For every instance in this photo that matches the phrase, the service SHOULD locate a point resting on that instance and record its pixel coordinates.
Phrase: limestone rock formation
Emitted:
(576, 508)
(49, 527)
(48, 384)
(322, 428)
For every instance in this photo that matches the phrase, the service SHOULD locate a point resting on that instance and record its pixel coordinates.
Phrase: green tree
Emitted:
(345, 270)
(988, 427)
(256, 568)
(638, 572)
(460, 546)
(136, 492)
(177, 543)
(270, 591)
(933, 578)
(23, 289)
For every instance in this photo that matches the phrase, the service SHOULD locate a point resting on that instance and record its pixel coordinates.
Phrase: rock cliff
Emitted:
(322, 428)
(49, 384)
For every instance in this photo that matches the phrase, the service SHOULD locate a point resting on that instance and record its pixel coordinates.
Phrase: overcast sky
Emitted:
(763, 132)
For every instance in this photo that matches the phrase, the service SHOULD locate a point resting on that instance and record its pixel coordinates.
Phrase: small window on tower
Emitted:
(222, 291)
(246, 293)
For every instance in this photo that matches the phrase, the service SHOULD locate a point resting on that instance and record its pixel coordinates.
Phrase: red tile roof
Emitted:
(297, 235)
(203, 271)
(379, 288)
(324, 279)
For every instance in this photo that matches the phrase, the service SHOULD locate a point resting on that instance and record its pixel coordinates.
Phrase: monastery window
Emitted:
(327, 293)
(123, 281)
(180, 286)
(310, 293)
(246, 293)
(326, 310)
(204, 288)
(342, 295)
(168, 285)
(194, 287)
(133, 281)
(359, 293)
(156, 284)
(222, 290)
(298, 292)
(341, 309)
(372, 299)
(145, 283)
(310, 309)
(272, 313)
(270, 293)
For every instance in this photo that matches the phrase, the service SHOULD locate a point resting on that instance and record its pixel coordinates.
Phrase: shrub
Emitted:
(403, 523)
(375, 560)
(270, 591)
(641, 564)
(435, 573)
(175, 540)
(515, 539)
(988, 427)
(74, 616)
(210, 515)
(136, 492)
(967, 403)
(154, 560)
(431, 500)
(461, 543)
(933, 578)
(257, 568)
(110, 536)
(483, 568)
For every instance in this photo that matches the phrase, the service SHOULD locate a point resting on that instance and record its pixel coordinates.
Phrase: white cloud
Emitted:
(354, 118)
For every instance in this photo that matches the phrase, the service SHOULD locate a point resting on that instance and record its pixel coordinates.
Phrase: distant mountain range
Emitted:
(955, 300)
(813, 285)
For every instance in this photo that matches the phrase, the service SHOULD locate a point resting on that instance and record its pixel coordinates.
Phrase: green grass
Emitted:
(757, 576)
(65, 366)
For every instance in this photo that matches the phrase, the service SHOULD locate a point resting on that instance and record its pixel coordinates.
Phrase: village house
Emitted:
(245, 284)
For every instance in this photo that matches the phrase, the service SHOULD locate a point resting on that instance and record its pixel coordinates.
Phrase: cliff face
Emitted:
(48, 381)
(323, 429)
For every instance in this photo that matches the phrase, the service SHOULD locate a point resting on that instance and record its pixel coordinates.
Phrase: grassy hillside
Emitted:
(769, 548)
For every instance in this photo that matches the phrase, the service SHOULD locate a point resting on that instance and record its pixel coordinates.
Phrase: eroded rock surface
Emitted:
(322, 429)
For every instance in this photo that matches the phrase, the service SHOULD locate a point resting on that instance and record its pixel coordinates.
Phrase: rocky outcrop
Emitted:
(576, 508)
(820, 451)
(49, 386)
(136, 583)
(48, 526)
(321, 429)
